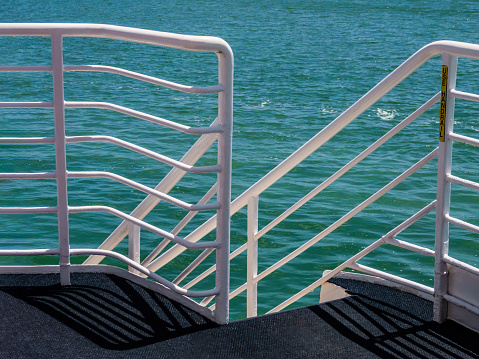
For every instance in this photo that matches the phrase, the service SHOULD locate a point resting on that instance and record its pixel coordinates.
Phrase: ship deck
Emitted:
(106, 316)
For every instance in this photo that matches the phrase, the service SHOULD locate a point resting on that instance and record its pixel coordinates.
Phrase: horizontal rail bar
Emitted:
(146, 78)
(145, 116)
(427, 105)
(26, 210)
(464, 182)
(410, 246)
(464, 139)
(177, 41)
(465, 95)
(145, 152)
(461, 303)
(462, 224)
(29, 252)
(393, 278)
(350, 214)
(147, 226)
(148, 190)
(467, 267)
(26, 68)
(146, 271)
(26, 104)
(26, 140)
(38, 175)
(198, 90)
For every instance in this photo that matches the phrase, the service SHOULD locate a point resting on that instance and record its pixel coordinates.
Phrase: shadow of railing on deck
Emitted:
(119, 315)
(396, 326)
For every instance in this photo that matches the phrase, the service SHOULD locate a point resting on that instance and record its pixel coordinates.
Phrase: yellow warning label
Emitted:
(442, 116)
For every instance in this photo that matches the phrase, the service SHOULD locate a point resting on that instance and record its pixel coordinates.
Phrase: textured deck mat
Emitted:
(104, 316)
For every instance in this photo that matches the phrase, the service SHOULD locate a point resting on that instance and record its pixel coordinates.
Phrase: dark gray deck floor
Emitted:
(104, 316)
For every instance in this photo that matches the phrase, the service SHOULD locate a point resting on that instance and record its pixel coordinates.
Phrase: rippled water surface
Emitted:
(298, 65)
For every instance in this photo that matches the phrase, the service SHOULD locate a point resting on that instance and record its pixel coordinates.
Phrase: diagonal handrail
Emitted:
(388, 238)
(427, 105)
(453, 48)
(349, 165)
(351, 213)
(330, 228)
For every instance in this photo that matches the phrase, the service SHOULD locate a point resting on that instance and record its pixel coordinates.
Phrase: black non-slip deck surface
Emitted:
(104, 316)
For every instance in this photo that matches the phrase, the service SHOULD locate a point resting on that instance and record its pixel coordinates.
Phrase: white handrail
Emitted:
(145, 225)
(463, 182)
(37, 175)
(26, 140)
(144, 116)
(179, 164)
(119, 71)
(220, 130)
(349, 165)
(464, 139)
(382, 88)
(350, 214)
(25, 210)
(353, 260)
(163, 196)
(139, 267)
(387, 238)
(465, 50)
(150, 202)
(153, 80)
(464, 225)
(176, 41)
(38, 104)
(328, 181)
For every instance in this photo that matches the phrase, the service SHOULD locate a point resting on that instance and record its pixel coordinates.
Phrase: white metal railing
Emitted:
(450, 51)
(220, 130)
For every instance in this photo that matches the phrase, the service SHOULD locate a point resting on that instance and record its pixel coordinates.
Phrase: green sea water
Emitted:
(298, 65)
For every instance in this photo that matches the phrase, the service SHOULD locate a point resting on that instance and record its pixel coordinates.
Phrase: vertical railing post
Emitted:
(225, 119)
(252, 259)
(449, 69)
(60, 157)
(134, 245)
